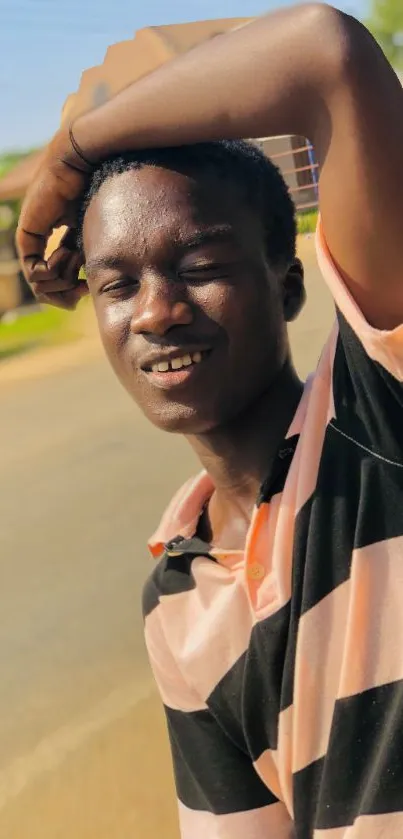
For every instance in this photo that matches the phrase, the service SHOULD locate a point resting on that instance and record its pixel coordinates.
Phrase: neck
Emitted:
(238, 455)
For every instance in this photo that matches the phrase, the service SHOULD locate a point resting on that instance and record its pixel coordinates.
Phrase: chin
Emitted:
(182, 419)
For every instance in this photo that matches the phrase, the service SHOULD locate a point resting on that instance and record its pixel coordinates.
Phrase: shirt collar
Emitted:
(182, 514)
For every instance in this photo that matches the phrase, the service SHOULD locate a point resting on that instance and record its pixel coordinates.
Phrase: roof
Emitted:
(124, 63)
(184, 36)
(127, 61)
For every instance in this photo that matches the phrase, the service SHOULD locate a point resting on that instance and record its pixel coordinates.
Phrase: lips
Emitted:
(177, 363)
(176, 370)
(173, 358)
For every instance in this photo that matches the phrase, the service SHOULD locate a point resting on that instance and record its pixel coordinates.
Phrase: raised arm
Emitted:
(309, 70)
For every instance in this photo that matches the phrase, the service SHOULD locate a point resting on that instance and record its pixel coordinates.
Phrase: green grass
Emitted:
(45, 326)
(307, 221)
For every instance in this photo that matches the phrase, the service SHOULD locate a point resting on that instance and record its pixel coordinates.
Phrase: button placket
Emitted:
(255, 571)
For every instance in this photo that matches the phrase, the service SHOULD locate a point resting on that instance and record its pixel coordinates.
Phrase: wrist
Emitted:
(65, 149)
(87, 137)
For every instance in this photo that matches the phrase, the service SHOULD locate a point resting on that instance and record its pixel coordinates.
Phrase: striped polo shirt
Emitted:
(281, 666)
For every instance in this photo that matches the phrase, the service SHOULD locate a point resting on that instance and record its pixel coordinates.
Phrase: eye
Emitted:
(123, 287)
(204, 273)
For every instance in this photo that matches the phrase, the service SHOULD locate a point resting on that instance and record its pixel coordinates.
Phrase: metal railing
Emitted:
(302, 178)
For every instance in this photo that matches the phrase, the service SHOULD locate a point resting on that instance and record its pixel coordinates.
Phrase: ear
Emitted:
(294, 294)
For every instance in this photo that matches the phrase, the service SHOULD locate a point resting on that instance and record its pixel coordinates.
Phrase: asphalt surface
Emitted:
(83, 752)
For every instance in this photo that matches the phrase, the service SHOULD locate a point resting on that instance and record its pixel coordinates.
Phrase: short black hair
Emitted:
(238, 161)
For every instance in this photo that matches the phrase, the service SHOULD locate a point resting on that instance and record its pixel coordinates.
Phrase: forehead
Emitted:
(145, 207)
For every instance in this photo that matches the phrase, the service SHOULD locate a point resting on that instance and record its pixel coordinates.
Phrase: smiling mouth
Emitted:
(178, 362)
(176, 371)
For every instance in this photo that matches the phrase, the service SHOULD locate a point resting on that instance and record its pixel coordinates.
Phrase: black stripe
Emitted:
(326, 525)
(307, 794)
(275, 481)
(362, 773)
(173, 574)
(211, 773)
(150, 596)
(357, 502)
(368, 400)
(380, 511)
(247, 700)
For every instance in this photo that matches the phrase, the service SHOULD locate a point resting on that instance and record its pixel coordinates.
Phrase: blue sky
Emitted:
(46, 44)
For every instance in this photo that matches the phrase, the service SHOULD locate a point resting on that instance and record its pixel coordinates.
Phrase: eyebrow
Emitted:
(218, 233)
(211, 235)
(98, 262)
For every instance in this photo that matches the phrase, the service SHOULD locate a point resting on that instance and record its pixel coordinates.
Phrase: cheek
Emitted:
(114, 326)
(246, 309)
(217, 301)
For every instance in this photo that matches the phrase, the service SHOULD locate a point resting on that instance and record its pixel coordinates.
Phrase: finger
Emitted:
(52, 286)
(43, 272)
(70, 239)
(73, 268)
(40, 213)
(67, 264)
(31, 248)
(44, 209)
(59, 259)
(63, 300)
(36, 255)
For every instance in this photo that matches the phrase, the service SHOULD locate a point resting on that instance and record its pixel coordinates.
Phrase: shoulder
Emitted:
(173, 574)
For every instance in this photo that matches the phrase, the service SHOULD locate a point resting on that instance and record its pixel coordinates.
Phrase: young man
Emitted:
(273, 618)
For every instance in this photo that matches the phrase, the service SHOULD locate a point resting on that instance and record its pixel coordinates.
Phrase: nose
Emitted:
(160, 305)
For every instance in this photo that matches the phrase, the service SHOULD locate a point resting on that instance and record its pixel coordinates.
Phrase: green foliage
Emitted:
(9, 159)
(7, 162)
(386, 24)
(307, 221)
(45, 326)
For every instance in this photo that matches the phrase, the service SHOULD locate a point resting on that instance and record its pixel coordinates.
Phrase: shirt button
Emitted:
(255, 571)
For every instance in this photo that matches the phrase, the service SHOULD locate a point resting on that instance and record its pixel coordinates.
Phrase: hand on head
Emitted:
(53, 200)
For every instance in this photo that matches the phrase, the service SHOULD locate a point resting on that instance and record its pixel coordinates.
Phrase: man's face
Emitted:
(190, 314)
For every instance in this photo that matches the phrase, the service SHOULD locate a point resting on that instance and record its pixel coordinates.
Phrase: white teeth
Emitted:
(176, 363)
(161, 367)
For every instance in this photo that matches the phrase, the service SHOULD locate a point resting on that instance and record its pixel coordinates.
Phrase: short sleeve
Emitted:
(367, 375)
(384, 347)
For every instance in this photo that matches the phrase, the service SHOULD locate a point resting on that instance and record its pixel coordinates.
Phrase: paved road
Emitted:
(83, 477)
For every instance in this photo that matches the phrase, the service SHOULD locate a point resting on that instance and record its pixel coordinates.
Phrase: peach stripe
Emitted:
(383, 346)
(350, 642)
(266, 768)
(284, 757)
(303, 473)
(320, 651)
(183, 511)
(373, 633)
(271, 545)
(272, 822)
(380, 826)
(271, 535)
(174, 690)
(211, 623)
